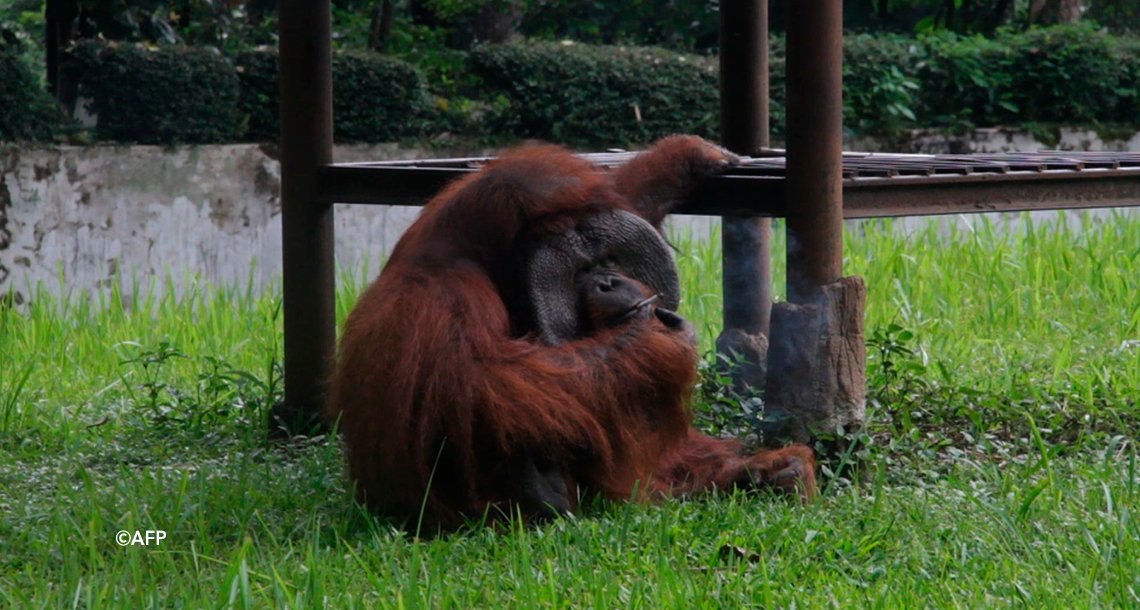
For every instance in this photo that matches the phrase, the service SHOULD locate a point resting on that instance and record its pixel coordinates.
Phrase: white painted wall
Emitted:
(102, 215)
(105, 214)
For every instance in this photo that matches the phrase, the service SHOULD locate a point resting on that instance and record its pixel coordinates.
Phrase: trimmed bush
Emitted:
(257, 73)
(1069, 74)
(598, 95)
(879, 87)
(1072, 75)
(167, 95)
(777, 85)
(1128, 90)
(375, 98)
(965, 82)
(27, 111)
(586, 95)
(590, 95)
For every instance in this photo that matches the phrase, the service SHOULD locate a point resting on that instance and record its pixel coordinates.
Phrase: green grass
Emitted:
(999, 468)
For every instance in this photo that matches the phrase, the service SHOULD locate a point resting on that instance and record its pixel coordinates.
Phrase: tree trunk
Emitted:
(489, 24)
(817, 371)
(59, 24)
(998, 16)
(380, 29)
(1052, 12)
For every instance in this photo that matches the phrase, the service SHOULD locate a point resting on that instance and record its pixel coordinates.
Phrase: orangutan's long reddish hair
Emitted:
(442, 403)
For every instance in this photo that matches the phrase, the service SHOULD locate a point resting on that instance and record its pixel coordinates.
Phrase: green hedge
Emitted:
(586, 94)
(879, 90)
(583, 94)
(1072, 74)
(375, 98)
(257, 73)
(27, 111)
(173, 95)
(964, 81)
(1066, 74)
(157, 96)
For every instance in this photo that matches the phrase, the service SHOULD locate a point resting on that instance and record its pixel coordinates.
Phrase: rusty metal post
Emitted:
(815, 146)
(745, 242)
(744, 130)
(817, 359)
(307, 228)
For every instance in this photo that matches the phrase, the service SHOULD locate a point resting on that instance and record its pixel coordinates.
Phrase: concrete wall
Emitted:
(103, 215)
(1000, 139)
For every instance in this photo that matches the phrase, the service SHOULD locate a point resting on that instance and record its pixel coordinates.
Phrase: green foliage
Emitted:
(1071, 75)
(350, 25)
(724, 408)
(589, 95)
(162, 95)
(777, 84)
(897, 377)
(880, 90)
(449, 9)
(583, 94)
(375, 98)
(27, 111)
(1068, 74)
(257, 73)
(219, 395)
(966, 81)
(1128, 98)
(1117, 15)
(685, 25)
(223, 24)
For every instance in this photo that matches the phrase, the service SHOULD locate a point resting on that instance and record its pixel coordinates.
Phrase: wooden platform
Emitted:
(874, 185)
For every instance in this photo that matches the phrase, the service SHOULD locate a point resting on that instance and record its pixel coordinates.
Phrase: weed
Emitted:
(220, 393)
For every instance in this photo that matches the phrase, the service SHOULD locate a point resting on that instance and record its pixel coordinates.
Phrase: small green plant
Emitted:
(896, 90)
(724, 408)
(158, 397)
(219, 395)
(879, 88)
(892, 91)
(895, 370)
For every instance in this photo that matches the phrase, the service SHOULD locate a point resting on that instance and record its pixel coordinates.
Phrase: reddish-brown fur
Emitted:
(436, 398)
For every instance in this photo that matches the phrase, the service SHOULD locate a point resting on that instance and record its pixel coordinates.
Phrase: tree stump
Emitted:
(817, 364)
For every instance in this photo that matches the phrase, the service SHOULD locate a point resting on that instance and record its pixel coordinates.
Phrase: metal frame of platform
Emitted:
(815, 186)
(874, 184)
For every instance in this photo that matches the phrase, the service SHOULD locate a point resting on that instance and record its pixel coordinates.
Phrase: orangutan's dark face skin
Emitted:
(609, 299)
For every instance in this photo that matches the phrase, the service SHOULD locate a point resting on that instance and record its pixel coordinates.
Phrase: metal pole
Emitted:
(815, 146)
(744, 130)
(307, 228)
